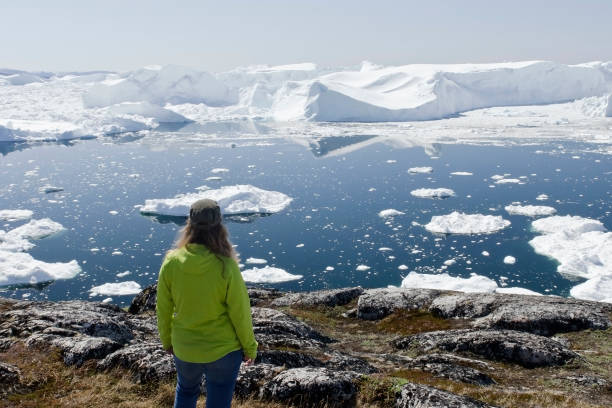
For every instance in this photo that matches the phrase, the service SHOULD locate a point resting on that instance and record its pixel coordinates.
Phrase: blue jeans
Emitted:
(220, 381)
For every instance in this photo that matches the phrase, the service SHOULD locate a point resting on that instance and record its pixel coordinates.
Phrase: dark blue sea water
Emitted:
(332, 221)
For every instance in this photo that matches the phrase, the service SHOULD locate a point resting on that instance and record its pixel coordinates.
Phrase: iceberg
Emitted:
(147, 110)
(236, 199)
(390, 212)
(158, 86)
(598, 289)
(18, 268)
(268, 274)
(530, 210)
(18, 239)
(460, 223)
(116, 289)
(433, 192)
(15, 215)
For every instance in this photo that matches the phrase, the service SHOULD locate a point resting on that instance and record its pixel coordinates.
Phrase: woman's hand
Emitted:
(247, 360)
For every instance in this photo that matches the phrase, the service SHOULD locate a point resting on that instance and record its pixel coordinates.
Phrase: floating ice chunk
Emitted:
(385, 249)
(47, 189)
(299, 246)
(420, 170)
(211, 178)
(542, 197)
(460, 223)
(444, 281)
(402, 267)
(582, 246)
(485, 253)
(433, 192)
(256, 261)
(598, 289)
(237, 199)
(362, 268)
(123, 274)
(530, 210)
(107, 300)
(462, 173)
(18, 268)
(389, 213)
(517, 291)
(329, 268)
(31, 130)
(450, 262)
(15, 215)
(268, 274)
(116, 289)
(113, 212)
(37, 229)
(509, 260)
(508, 181)
(219, 170)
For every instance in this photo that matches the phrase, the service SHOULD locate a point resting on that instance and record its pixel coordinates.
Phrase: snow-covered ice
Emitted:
(116, 289)
(390, 212)
(362, 268)
(257, 261)
(19, 268)
(461, 223)
(15, 215)
(462, 173)
(236, 199)
(598, 289)
(530, 210)
(509, 181)
(583, 248)
(433, 192)
(509, 260)
(268, 274)
(517, 291)
(444, 281)
(420, 170)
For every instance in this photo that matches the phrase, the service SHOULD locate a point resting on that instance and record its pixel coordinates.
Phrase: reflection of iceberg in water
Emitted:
(329, 146)
(9, 147)
(221, 128)
(234, 218)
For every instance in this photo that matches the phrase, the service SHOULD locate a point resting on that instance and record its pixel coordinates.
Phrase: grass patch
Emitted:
(405, 322)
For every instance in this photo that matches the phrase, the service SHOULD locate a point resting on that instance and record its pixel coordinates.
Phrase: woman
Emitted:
(203, 310)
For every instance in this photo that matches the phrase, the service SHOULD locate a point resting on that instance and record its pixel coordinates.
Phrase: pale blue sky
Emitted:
(218, 35)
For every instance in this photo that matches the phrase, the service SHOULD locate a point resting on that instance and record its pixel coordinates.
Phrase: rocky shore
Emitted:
(350, 347)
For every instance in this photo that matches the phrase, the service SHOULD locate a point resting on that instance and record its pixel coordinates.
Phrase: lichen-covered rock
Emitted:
(375, 304)
(75, 350)
(145, 300)
(75, 316)
(277, 329)
(312, 387)
(543, 315)
(422, 396)
(451, 367)
(344, 362)
(252, 377)
(288, 359)
(147, 361)
(334, 297)
(10, 378)
(526, 349)
(259, 295)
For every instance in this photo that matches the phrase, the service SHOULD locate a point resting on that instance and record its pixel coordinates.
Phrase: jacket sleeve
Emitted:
(165, 306)
(239, 310)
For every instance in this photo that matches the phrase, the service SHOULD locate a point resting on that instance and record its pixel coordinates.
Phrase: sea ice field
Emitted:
(481, 178)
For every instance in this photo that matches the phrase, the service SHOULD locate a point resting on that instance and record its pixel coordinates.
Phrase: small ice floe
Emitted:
(219, 170)
(462, 173)
(236, 199)
(15, 215)
(530, 210)
(583, 248)
(211, 178)
(391, 161)
(268, 274)
(542, 197)
(460, 223)
(47, 189)
(35, 229)
(256, 261)
(113, 212)
(299, 246)
(116, 289)
(107, 300)
(444, 281)
(389, 213)
(329, 268)
(362, 268)
(123, 274)
(385, 249)
(116, 252)
(420, 170)
(509, 181)
(433, 193)
(485, 253)
(18, 268)
(509, 260)
(598, 289)
(402, 267)
(450, 262)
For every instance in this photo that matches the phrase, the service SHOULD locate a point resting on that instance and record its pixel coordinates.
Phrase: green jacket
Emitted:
(203, 308)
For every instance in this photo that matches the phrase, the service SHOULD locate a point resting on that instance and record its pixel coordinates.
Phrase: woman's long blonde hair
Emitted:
(216, 239)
